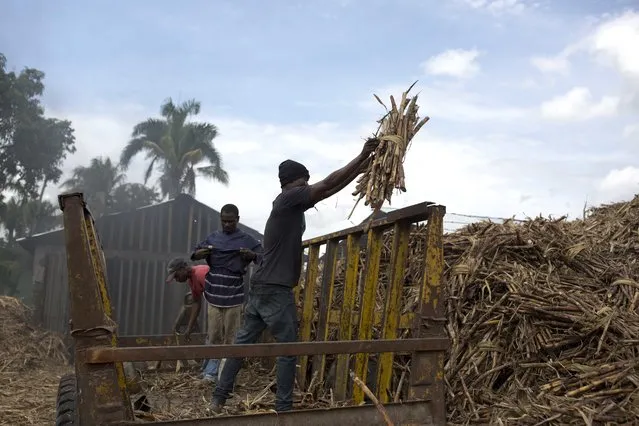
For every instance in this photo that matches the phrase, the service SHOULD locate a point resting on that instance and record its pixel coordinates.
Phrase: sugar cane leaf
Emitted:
(380, 101)
(392, 138)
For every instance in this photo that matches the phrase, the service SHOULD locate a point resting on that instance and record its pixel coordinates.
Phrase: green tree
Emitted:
(15, 263)
(175, 148)
(131, 196)
(32, 146)
(40, 216)
(97, 181)
(23, 218)
(13, 220)
(103, 184)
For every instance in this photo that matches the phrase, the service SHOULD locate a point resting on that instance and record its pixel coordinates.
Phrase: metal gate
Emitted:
(99, 353)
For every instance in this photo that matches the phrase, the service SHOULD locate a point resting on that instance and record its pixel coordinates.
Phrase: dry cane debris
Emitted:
(543, 318)
(31, 364)
(176, 396)
(385, 173)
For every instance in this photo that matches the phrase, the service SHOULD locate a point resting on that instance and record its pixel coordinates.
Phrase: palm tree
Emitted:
(131, 196)
(97, 182)
(15, 266)
(175, 147)
(14, 219)
(21, 218)
(41, 216)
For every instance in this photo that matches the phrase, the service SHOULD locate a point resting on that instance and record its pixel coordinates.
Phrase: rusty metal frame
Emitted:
(102, 392)
(157, 340)
(416, 213)
(172, 353)
(100, 353)
(408, 413)
(426, 379)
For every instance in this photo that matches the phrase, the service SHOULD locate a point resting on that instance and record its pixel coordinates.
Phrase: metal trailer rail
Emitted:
(98, 394)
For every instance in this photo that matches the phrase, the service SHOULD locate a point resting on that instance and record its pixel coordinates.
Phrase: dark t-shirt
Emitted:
(282, 260)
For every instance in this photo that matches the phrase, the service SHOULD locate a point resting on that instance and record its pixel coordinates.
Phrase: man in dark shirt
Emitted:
(271, 302)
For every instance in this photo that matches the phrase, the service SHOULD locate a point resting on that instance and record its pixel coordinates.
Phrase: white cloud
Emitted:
(500, 7)
(578, 104)
(251, 153)
(497, 175)
(613, 42)
(449, 103)
(483, 152)
(618, 184)
(617, 40)
(557, 64)
(458, 63)
(631, 130)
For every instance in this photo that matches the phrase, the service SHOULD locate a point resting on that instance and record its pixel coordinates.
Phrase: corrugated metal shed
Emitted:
(137, 247)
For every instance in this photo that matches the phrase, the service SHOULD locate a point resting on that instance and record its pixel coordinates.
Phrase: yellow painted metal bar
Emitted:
(99, 266)
(434, 263)
(406, 320)
(415, 213)
(97, 259)
(393, 306)
(348, 304)
(325, 304)
(307, 312)
(367, 304)
(296, 290)
(427, 369)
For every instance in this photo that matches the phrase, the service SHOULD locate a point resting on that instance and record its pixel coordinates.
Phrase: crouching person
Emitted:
(181, 324)
(194, 275)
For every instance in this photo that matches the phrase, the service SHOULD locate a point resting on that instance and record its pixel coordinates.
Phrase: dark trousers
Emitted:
(272, 307)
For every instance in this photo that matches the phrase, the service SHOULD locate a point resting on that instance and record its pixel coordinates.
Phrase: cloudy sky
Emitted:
(534, 105)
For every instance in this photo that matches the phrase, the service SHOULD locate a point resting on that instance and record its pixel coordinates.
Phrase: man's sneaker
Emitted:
(208, 378)
(216, 406)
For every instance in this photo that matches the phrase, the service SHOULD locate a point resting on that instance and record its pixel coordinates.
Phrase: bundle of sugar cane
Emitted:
(385, 172)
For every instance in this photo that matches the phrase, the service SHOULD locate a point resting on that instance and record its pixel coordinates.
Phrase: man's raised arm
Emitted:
(340, 178)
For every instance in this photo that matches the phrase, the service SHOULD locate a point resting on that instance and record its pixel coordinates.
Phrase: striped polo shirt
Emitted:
(224, 283)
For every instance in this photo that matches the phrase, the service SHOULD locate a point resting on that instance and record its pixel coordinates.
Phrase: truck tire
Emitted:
(65, 403)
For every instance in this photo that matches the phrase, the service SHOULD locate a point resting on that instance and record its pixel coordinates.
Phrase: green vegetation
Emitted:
(34, 146)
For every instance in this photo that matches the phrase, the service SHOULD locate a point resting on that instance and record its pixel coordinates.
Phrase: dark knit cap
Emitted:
(292, 170)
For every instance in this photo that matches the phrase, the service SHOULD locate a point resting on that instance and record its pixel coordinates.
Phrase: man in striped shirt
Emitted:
(228, 253)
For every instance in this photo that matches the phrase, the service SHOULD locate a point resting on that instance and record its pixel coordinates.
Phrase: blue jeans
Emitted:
(210, 367)
(272, 307)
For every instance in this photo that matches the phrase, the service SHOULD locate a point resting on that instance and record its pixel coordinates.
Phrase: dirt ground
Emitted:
(29, 397)
(175, 396)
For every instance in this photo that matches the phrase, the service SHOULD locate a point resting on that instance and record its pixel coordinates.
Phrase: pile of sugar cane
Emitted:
(385, 173)
(543, 317)
(32, 361)
(24, 346)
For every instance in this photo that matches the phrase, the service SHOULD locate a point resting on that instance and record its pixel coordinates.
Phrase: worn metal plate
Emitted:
(171, 353)
(157, 340)
(410, 413)
(415, 213)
